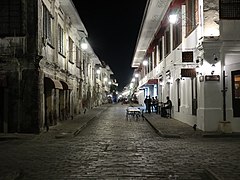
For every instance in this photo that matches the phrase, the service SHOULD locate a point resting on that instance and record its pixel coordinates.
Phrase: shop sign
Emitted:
(152, 81)
(187, 56)
(212, 78)
(188, 72)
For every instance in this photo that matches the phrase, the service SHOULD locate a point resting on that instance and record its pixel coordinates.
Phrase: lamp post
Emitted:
(224, 90)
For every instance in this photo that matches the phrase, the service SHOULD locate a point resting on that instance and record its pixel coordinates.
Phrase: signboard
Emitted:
(188, 72)
(152, 81)
(187, 56)
(212, 78)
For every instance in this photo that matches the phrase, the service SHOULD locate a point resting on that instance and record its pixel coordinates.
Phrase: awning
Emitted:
(3, 81)
(66, 85)
(50, 83)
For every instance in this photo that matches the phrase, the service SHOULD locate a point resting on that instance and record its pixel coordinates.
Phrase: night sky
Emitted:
(113, 28)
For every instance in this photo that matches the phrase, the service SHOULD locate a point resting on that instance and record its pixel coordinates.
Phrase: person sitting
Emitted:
(167, 105)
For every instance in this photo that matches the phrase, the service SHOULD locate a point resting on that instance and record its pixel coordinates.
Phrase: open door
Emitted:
(236, 93)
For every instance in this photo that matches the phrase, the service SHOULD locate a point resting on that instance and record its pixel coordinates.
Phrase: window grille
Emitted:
(229, 9)
(10, 18)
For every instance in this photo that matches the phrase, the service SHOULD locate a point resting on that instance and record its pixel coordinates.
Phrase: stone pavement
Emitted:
(112, 146)
(169, 127)
(63, 129)
(165, 127)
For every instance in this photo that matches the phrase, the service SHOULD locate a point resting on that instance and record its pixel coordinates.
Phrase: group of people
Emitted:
(153, 103)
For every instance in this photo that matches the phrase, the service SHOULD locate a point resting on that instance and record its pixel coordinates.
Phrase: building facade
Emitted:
(45, 74)
(189, 50)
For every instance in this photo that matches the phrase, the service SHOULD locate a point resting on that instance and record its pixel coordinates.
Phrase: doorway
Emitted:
(1, 109)
(194, 96)
(178, 95)
(236, 93)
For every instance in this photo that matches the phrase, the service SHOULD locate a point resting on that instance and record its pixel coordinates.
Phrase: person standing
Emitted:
(156, 104)
(147, 102)
(152, 104)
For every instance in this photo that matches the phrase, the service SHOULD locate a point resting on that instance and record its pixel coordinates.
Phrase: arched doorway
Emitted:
(50, 96)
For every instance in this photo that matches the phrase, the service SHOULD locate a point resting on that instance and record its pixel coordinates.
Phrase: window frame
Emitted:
(167, 42)
(177, 32)
(47, 25)
(13, 17)
(192, 18)
(70, 49)
(160, 47)
(60, 39)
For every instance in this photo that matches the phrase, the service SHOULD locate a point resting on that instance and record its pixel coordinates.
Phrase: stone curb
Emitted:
(6, 137)
(88, 122)
(83, 126)
(161, 133)
(221, 135)
(211, 175)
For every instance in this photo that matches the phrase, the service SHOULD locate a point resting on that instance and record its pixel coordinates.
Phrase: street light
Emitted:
(136, 75)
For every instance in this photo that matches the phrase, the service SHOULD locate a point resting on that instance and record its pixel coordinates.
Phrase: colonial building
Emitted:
(46, 75)
(189, 50)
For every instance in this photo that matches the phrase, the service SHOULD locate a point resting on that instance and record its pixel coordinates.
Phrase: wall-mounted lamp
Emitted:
(145, 62)
(98, 71)
(136, 75)
(133, 79)
(84, 44)
(198, 70)
(105, 79)
(173, 18)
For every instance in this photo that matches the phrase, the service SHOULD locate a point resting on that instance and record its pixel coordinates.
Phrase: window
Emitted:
(177, 33)
(85, 70)
(70, 50)
(150, 63)
(155, 56)
(78, 57)
(160, 50)
(229, 9)
(47, 25)
(167, 42)
(236, 93)
(192, 15)
(60, 39)
(10, 18)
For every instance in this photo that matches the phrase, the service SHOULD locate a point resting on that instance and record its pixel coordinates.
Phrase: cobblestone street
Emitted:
(112, 147)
